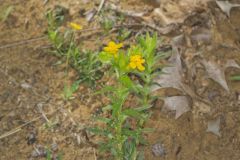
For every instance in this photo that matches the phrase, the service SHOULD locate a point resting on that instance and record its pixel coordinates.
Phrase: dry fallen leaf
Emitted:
(90, 14)
(172, 77)
(217, 72)
(180, 104)
(226, 6)
(214, 126)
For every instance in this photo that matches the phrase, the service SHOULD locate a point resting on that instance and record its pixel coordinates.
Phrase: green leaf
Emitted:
(105, 89)
(126, 81)
(104, 146)
(49, 155)
(141, 156)
(52, 35)
(107, 108)
(122, 62)
(105, 57)
(148, 43)
(107, 24)
(143, 108)
(123, 34)
(103, 119)
(98, 131)
(133, 113)
(59, 156)
(75, 86)
(235, 78)
(69, 90)
(130, 150)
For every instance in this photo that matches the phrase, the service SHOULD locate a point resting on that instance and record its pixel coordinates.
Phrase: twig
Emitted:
(94, 152)
(127, 13)
(45, 2)
(40, 105)
(19, 128)
(17, 43)
(34, 39)
(100, 6)
(162, 30)
(27, 41)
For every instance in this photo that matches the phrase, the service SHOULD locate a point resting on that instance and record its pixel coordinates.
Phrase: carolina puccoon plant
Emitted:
(134, 71)
(65, 45)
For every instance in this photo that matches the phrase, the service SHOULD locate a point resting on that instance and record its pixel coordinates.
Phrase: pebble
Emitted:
(31, 138)
(54, 147)
(39, 151)
(158, 150)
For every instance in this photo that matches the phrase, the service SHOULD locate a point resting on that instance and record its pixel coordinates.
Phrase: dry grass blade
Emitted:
(100, 6)
(22, 42)
(19, 128)
(6, 13)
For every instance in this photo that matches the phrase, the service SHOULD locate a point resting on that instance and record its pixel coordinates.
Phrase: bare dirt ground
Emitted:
(34, 116)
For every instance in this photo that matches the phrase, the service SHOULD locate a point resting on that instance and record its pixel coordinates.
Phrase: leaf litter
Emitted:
(217, 72)
(226, 6)
(172, 78)
(180, 104)
(214, 126)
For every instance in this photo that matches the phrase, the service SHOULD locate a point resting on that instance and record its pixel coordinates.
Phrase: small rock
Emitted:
(158, 150)
(32, 138)
(54, 147)
(26, 86)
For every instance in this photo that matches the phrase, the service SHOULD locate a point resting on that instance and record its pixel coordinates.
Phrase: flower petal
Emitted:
(141, 67)
(75, 26)
(120, 45)
(132, 65)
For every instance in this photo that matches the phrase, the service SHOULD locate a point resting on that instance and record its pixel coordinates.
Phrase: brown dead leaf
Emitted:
(214, 126)
(90, 14)
(172, 77)
(180, 104)
(217, 72)
(226, 6)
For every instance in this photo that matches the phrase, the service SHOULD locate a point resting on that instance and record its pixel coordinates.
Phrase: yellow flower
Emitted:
(136, 61)
(113, 48)
(75, 26)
